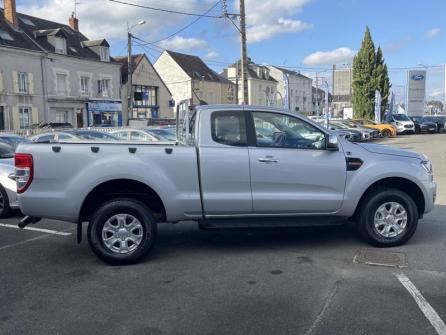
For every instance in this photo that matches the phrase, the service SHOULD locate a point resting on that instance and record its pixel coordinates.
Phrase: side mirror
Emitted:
(332, 143)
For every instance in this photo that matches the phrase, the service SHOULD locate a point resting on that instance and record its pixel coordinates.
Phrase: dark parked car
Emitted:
(13, 140)
(439, 120)
(53, 125)
(423, 125)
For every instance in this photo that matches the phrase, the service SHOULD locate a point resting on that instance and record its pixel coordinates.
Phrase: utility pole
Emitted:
(129, 75)
(244, 59)
(130, 67)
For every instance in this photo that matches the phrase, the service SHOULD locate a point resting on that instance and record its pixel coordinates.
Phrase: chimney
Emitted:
(11, 13)
(73, 22)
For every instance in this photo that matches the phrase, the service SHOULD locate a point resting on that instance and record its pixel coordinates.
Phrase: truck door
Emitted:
(224, 163)
(291, 172)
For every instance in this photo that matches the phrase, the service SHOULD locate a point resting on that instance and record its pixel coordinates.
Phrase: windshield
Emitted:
(162, 134)
(401, 117)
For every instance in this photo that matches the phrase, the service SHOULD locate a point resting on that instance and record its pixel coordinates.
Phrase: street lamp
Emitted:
(130, 67)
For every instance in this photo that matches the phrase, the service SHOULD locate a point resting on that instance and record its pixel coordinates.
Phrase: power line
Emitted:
(185, 27)
(168, 10)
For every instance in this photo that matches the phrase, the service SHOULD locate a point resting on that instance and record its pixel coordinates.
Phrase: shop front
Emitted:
(104, 113)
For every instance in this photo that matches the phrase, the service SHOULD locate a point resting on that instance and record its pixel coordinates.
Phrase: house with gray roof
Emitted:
(51, 72)
(262, 88)
(295, 89)
(151, 96)
(190, 80)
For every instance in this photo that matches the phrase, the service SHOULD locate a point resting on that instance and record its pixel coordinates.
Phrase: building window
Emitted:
(23, 82)
(25, 117)
(210, 98)
(145, 96)
(61, 83)
(61, 117)
(104, 88)
(85, 86)
(60, 45)
(104, 53)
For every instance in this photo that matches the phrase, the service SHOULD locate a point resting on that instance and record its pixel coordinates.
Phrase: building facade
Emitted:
(342, 90)
(51, 72)
(262, 88)
(151, 97)
(294, 89)
(189, 79)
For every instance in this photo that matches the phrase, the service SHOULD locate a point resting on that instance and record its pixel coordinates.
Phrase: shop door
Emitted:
(80, 119)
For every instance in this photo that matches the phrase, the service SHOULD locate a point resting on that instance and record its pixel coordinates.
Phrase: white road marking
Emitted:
(23, 242)
(47, 231)
(422, 303)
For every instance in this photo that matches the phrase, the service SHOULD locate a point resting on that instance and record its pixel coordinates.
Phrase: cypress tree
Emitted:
(382, 80)
(364, 79)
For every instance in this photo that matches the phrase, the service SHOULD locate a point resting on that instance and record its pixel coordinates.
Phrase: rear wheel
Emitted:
(5, 209)
(122, 231)
(387, 218)
(386, 133)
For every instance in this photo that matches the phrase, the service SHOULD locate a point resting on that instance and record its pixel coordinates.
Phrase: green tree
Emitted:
(382, 80)
(364, 78)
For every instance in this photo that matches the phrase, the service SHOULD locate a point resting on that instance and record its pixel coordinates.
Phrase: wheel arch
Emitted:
(120, 188)
(400, 183)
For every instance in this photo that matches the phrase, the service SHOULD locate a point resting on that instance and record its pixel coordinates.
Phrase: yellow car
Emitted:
(386, 130)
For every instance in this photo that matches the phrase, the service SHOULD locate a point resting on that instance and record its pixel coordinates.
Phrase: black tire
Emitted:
(368, 208)
(386, 133)
(107, 211)
(5, 209)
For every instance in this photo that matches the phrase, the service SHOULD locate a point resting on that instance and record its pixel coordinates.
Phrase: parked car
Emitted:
(423, 125)
(13, 140)
(351, 135)
(78, 135)
(367, 133)
(8, 188)
(162, 133)
(402, 123)
(386, 130)
(222, 176)
(439, 120)
(53, 125)
(138, 135)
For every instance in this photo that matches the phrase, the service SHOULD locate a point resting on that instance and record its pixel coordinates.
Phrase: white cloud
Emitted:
(434, 32)
(102, 18)
(184, 43)
(329, 57)
(269, 18)
(212, 55)
(258, 33)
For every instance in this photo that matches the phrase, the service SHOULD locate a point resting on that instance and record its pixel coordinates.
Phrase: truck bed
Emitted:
(65, 173)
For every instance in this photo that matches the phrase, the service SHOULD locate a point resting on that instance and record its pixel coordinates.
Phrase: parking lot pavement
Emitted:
(299, 281)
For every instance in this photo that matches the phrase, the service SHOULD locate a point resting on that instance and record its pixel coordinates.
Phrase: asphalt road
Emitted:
(300, 281)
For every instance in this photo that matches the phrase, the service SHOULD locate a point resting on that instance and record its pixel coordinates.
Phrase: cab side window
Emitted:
(229, 128)
(284, 131)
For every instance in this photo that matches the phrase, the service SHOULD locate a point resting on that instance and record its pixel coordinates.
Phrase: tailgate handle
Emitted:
(56, 149)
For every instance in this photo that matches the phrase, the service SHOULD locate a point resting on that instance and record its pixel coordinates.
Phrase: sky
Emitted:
(306, 35)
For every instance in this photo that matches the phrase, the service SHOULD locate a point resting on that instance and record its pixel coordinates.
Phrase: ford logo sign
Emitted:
(417, 77)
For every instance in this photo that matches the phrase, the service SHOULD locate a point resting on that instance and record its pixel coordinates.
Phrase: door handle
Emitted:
(268, 159)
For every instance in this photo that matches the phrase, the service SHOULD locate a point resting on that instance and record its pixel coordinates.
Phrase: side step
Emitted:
(272, 222)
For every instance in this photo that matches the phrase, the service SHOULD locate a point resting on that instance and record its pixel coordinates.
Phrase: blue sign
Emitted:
(417, 77)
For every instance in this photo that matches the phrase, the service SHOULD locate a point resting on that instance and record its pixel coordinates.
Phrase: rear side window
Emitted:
(229, 128)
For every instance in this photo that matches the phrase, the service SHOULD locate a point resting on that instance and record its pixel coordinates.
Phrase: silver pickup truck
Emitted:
(233, 166)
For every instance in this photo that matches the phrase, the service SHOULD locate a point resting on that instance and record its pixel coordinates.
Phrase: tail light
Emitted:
(24, 171)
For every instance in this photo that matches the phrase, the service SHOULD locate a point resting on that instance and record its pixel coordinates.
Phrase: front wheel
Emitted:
(387, 218)
(122, 231)
(5, 209)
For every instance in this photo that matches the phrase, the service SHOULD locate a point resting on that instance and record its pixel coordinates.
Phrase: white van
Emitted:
(403, 124)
